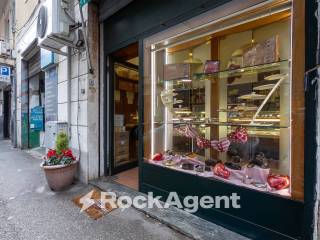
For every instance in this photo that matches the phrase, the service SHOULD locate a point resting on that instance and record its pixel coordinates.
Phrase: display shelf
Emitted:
(248, 110)
(232, 180)
(206, 124)
(283, 64)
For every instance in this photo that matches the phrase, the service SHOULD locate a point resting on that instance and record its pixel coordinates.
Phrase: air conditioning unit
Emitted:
(53, 25)
(5, 50)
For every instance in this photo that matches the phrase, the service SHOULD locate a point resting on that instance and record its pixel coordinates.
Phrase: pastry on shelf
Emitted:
(244, 107)
(233, 166)
(212, 162)
(234, 163)
(187, 166)
(264, 87)
(169, 163)
(252, 96)
(194, 161)
(192, 155)
(276, 76)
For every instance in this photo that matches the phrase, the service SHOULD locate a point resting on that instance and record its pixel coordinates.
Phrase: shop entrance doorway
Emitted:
(6, 113)
(123, 119)
(36, 96)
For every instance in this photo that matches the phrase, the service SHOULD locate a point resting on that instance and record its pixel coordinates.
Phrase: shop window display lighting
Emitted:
(221, 103)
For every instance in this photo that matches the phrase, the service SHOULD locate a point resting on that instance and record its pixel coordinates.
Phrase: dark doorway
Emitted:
(6, 113)
(123, 81)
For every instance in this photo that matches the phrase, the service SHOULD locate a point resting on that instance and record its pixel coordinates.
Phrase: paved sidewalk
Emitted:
(29, 210)
(184, 222)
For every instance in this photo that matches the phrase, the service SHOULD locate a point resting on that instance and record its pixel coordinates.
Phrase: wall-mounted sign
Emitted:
(5, 73)
(36, 118)
(51, 90)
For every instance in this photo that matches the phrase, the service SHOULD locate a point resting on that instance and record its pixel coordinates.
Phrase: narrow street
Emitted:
(30, 210)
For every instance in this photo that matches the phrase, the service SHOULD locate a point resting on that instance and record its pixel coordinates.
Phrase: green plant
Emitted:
(62, 142)
(61, 155)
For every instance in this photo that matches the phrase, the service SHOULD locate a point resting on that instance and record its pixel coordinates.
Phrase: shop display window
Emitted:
(220, 104)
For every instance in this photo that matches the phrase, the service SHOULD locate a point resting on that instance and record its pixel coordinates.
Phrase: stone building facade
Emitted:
(63, 87)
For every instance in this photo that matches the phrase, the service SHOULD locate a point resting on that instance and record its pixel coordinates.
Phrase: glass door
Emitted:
(123, 110)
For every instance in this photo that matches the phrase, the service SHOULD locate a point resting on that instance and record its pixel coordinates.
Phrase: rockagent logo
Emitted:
(189, 203)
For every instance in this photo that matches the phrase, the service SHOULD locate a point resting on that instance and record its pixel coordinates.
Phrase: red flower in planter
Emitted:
(68, 153)
(51, 153)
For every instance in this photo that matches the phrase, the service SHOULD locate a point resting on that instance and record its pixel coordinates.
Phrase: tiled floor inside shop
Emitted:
(129, 178)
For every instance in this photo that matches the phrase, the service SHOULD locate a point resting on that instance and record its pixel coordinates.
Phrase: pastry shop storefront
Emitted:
(224, 112)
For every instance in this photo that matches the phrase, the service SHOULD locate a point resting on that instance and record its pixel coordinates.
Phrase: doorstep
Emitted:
(183, 222)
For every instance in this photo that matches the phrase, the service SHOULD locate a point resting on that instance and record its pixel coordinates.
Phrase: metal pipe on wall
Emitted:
(69, 90)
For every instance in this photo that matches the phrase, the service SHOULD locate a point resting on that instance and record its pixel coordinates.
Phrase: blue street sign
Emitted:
(4, 71)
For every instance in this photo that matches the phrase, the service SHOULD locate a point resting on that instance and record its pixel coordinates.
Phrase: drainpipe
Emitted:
(84, 31)
(69, 90)
(14, 79)
(318, 43)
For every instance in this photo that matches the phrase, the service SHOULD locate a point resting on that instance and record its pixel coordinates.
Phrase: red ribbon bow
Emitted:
(278, 181)
(220, 170)
(239, 135)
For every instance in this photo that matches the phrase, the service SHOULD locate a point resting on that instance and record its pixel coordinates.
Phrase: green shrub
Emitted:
(62, 142)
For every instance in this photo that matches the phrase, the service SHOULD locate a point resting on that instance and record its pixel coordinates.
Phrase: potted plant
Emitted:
(59, 164)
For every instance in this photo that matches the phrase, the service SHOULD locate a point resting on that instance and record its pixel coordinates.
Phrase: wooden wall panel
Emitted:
(298, 103)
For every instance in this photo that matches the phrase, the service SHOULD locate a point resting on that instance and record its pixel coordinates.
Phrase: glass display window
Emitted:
(220, 105)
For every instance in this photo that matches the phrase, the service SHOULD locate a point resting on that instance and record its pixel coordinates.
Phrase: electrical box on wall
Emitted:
(62, 127)
(54, 20)
(52, 129)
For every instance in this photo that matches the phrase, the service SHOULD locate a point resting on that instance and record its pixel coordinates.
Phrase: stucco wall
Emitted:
(4, 17)
(84, 127)
(24, 9)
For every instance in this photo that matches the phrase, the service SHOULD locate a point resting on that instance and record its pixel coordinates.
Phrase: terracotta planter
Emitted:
(60, 177)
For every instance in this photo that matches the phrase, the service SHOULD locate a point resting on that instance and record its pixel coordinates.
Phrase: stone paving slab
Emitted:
(182, 221)
(29, 210)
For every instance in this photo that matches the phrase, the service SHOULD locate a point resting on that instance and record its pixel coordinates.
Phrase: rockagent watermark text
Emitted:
(189, 203)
